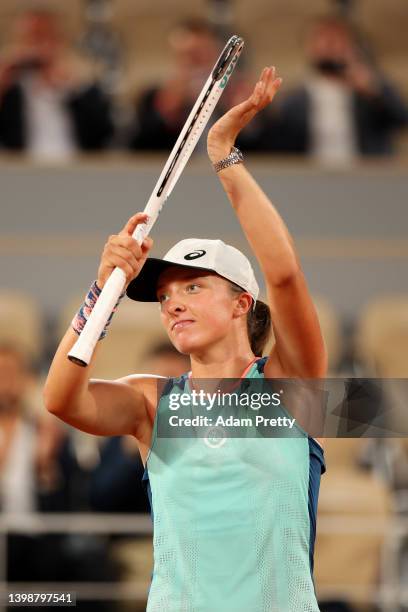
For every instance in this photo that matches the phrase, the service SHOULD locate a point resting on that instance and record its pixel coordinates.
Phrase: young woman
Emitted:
(234, 524)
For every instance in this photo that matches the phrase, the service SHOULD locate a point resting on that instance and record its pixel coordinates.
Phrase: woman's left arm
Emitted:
(299, 350)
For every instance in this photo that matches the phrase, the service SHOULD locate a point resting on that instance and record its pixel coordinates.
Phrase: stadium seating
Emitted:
(331, 330)
(386, 24)
(144, 27)
(21, 322)
(274, 32)
(71, 12)
(382, 336)
(349, 493)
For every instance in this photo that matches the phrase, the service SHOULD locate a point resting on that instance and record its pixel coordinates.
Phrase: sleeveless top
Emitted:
(233, 525)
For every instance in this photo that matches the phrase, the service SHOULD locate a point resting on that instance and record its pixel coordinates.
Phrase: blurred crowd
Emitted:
(54, 103)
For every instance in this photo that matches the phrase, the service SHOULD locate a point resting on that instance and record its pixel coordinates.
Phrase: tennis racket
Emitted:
(82, 351)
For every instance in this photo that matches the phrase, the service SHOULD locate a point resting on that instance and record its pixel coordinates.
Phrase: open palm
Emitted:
(223, 133)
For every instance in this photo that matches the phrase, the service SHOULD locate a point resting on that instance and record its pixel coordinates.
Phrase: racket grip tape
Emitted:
(82, 351)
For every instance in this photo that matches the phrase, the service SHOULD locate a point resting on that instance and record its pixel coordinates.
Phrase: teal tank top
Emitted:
(233, 524)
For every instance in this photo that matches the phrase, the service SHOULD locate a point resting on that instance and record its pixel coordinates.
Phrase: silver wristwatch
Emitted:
(235, 157)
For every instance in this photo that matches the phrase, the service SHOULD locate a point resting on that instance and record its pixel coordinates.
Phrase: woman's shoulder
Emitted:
(153, 387)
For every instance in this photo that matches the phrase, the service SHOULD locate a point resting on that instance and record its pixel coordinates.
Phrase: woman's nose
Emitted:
(174, 304)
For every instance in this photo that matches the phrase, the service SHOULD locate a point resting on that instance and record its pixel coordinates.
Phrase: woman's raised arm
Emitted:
(96, 406)
(299, 349)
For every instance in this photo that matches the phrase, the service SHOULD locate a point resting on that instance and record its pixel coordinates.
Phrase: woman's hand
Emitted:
(222, 135)
(124, 252)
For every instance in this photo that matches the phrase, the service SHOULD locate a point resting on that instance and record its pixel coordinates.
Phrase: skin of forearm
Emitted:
(67, 383)
(263, 226)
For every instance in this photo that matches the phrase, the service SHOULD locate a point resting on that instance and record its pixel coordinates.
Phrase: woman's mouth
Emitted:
(181, 324)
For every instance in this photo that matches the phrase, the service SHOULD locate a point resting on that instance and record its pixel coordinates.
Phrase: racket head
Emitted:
(233, 47)
(213, 88)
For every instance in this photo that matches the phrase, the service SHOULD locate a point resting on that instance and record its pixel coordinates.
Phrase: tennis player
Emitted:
(234, 523)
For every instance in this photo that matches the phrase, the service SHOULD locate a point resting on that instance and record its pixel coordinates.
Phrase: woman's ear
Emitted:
(243, 303)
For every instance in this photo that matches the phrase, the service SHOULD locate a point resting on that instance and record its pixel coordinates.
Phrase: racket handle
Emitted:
(82, 351)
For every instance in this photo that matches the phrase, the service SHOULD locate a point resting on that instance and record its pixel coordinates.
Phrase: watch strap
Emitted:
(235, 157)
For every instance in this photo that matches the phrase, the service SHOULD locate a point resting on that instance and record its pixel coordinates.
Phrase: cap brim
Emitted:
(143, 287)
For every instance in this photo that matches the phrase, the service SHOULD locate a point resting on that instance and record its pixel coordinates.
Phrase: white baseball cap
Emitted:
(200, 253)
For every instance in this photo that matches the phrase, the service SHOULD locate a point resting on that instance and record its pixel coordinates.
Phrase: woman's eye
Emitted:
(162, 298)
(193, 286)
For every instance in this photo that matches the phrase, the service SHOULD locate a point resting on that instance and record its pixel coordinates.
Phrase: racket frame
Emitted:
(82, 351)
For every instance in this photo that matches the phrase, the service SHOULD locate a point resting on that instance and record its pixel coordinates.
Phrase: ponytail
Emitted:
(259, 327)
(259, 323)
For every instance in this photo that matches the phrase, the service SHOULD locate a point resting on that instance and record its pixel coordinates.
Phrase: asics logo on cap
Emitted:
(195, 255)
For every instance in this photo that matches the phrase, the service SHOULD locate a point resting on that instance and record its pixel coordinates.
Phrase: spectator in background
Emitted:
(32, 457)
(17, 450)
(345, 107)
(30, 448)
(117, 481)
(39, 473)
(162, 110)
(50, 104)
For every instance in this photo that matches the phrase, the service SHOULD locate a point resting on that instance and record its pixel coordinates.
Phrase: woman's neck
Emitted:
(222, 366)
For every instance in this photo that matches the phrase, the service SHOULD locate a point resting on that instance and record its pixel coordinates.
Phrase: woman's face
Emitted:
(197, 307)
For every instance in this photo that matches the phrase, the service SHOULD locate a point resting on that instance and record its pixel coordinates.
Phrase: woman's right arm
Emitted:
(100, 407)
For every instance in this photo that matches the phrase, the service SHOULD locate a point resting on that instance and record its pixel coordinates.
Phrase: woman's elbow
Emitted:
(53, 402)
(49, 401)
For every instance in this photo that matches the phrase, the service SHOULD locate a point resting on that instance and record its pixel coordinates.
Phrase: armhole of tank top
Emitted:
(154, 431)
(298, 427)
(318, 443)
(169, 385)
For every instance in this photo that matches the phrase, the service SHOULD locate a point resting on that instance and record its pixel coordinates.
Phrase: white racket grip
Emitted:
(82, 351)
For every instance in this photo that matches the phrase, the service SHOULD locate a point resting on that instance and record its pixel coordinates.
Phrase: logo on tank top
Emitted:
(215, 437)
(195, 255)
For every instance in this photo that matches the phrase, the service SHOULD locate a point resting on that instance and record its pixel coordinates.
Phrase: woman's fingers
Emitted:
(264, 90)
(146, 245)
(263, 93)
(123, 251)
(273, 82)
(133, 222)
(127, 254)
(126, 248)
(224, 132)
(114, 260)
(258, 93)
(266, 87)
(127, 242)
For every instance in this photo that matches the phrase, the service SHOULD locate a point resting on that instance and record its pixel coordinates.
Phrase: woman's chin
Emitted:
(186, 343)
(185, 346)
(190, 340)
